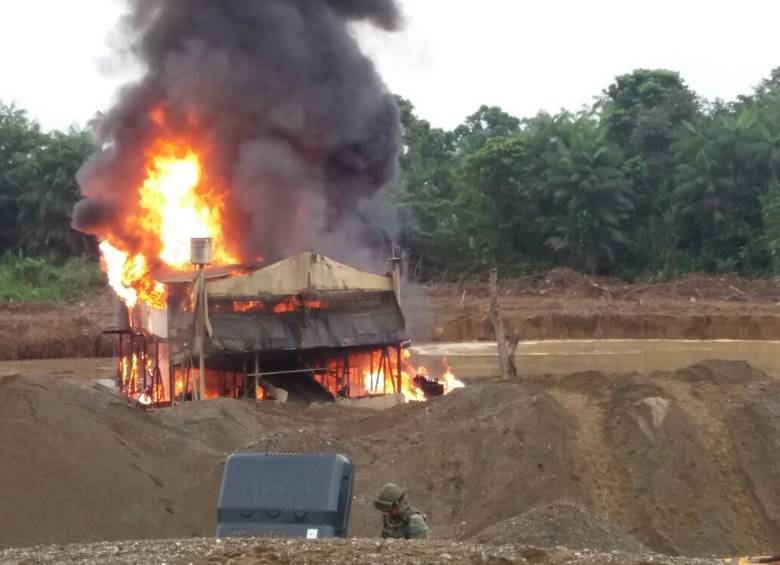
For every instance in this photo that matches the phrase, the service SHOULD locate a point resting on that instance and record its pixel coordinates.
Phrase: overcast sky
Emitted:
(452, 56)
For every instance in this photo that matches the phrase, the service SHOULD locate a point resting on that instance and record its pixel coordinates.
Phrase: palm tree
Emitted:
(593, 197)
(48, 194)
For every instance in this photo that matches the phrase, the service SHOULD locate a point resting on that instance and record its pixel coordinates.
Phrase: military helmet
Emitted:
(390, 494)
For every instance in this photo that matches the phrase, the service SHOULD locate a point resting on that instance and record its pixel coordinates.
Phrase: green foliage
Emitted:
(496, 192)
(424, 192)
(28, 278)
(38, 188)
(726, 164)
(770, 213)
(19, 139)
(486, 123)
(593, 196)
(641, 109)
(653, 182)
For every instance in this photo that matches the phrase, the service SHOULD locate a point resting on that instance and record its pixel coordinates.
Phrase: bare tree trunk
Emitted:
(512, 344)
(498, 326)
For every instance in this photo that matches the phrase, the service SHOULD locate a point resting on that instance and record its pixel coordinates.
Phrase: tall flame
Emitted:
(176, 203)
(178, 206)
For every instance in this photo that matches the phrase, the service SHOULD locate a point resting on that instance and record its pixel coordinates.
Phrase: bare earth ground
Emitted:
(47, 330)
(560, 304)
(677, 462)
(330, 552)
(616, 468)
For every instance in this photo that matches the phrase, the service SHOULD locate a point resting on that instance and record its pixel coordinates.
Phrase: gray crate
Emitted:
(291, 495)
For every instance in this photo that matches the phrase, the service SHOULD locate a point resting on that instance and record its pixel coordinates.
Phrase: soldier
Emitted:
(399, 520)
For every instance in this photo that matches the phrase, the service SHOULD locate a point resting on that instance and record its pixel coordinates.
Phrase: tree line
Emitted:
(650, 182)
(38, 188)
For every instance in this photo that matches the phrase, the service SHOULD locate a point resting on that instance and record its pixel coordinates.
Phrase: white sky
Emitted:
(453, 55)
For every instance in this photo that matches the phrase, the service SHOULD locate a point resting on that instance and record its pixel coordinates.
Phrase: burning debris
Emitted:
(260, 127)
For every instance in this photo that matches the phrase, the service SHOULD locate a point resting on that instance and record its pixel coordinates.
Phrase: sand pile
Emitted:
(79, 465)
(560, 524)
(677, 461)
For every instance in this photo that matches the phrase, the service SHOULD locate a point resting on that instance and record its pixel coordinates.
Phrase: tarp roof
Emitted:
(305, 272)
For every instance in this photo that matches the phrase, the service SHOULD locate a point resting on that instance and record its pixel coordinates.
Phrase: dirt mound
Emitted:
(79, 465)
(560, 524)
(676, 460)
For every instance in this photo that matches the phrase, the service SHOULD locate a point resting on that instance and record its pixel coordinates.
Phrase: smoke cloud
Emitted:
(298, 125)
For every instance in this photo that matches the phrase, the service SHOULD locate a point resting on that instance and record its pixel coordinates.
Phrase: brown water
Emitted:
(70, 369)
(561, 357)
(479, 359)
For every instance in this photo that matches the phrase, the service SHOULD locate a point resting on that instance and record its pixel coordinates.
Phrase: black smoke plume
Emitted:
(298, 123)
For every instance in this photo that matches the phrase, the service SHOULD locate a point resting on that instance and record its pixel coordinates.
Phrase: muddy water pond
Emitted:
(561, 357)
(479, 359)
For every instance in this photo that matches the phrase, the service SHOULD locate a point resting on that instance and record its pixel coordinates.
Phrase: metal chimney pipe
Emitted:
(395, 261)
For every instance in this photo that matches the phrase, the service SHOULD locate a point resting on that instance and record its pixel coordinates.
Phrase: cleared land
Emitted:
(562, 304)
(677, 461)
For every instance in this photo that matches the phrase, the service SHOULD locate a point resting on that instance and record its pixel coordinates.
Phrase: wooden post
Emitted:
(398, 360)
(202, 330)
(257, 373)
(498, 326)
(513, 342)
(395, 262)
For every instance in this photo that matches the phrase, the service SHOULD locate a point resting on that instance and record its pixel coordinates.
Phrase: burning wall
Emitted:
(304, 317)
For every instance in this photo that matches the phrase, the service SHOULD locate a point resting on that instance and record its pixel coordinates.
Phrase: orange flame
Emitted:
(176, 202)
(289, 304)
(376, 373)
(178, 206)
(248, 306)
(294, 303)
(450, 382)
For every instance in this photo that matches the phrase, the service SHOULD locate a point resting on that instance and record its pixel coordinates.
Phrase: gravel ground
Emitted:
(201, 551)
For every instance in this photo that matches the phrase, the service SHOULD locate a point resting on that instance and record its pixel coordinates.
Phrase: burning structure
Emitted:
(306, 325)
(261, 126)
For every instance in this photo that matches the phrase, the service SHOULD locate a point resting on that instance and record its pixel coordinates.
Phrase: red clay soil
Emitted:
(680, 462)
(47, 330)
(563, 304)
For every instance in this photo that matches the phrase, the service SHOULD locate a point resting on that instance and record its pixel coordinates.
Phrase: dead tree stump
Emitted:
(505, 363)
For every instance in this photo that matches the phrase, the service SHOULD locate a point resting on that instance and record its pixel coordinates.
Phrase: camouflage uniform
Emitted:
(410, 525)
